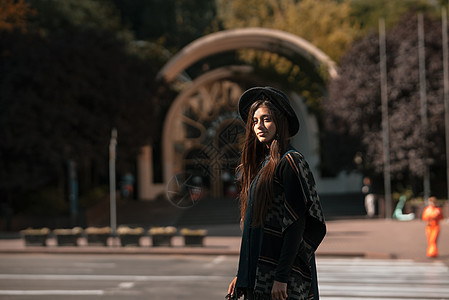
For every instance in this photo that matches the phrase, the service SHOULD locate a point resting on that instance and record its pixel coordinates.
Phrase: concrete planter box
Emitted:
(130, 239)
(193, 238)
(35, 237)
(130, 236)
(162, 236)
(98, 235)
(68, 237)
(162, 240)
(97, 239)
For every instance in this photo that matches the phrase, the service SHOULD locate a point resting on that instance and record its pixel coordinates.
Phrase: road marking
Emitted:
(382, 279)
(126, 285)
(125, 278)
(94, 265)
(51, 292)
(217, 260)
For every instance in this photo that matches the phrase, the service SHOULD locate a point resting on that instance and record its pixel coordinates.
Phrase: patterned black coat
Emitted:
(295, 200)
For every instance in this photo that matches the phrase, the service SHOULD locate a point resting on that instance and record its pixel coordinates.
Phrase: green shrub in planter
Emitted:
(193, 237)
(162, 236)
(130, 236)
(98, 235)
(35, 237)
(68, 237)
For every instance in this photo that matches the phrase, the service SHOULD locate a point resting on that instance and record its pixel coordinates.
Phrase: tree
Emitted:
(368, 12)
(60, 102)
(13, 14)
(59, 16)
(353, 111)
(325, 23)
(171, 23)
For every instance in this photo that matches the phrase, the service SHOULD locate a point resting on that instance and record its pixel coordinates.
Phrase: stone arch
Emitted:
(256, 38)
(199, 97)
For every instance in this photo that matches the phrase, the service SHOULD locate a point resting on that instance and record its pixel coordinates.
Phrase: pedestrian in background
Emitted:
(370, 206)
(432, 214)
(127, 185)
(283, 223)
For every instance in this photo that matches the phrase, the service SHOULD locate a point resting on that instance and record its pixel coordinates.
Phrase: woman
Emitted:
(281, 214)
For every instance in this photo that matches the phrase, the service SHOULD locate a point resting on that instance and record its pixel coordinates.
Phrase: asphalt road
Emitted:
(41, 276)
(190, 277)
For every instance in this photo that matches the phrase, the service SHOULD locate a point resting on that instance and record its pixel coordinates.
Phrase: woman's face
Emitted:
(263, 125)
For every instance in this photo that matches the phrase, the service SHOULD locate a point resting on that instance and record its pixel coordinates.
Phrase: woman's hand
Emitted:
(231, 288)
(279, 291)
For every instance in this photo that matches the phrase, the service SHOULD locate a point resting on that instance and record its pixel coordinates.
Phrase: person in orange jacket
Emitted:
(432, 215)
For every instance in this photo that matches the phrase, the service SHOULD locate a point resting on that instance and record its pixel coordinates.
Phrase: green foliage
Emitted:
(295, 73)
(368, 12)
(327, 24)
(47, 202)
(149, 20)
(149, 51)
(171, 23)
(94, 196)
(60, 16)
(407, 191)
(61, 100)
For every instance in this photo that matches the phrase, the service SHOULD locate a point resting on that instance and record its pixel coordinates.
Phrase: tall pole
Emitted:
(73, 191)
(423, 97)
(112, 187)
(385, 121)
(446, 90)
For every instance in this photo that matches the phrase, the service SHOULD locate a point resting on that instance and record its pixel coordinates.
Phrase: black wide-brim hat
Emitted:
(279, 100)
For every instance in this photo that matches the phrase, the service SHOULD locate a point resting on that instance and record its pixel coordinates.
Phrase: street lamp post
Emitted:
(423, 98)
(385, 120)
(112, 185)
(446, 91)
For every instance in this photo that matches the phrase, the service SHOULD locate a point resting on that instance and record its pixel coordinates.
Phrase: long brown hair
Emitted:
(253, 155)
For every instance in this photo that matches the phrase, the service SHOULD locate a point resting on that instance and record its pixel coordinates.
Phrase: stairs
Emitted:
(211, 211)
(341, 206)
(160, 212)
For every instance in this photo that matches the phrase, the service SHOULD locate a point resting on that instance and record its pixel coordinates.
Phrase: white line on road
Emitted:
(112, 277)
(94, 265)
(217, 260)
(126, 285)
(51, 292)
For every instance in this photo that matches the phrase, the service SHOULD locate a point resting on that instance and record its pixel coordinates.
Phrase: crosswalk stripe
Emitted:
(382, 279)
(52, 292)
(84, 277)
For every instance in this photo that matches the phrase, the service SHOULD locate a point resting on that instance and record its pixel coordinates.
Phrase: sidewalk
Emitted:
(368, 238)
(381, 238)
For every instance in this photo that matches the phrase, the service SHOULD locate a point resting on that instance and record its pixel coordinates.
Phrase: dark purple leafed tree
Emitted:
(353, 111)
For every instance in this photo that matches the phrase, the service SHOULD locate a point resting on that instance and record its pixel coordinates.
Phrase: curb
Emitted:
(122, 250)
(171, 251)
(367, 255)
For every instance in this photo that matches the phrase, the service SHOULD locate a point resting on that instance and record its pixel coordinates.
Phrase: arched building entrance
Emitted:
(202, 130)
(202, 134)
